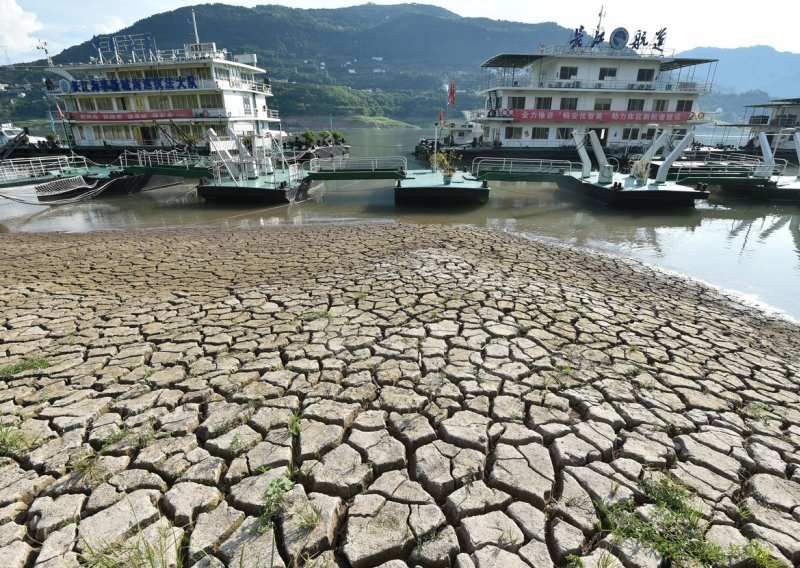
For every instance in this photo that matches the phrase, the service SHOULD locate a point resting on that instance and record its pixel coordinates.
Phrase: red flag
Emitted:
(451, 94)
(58, 111)
(441, 116)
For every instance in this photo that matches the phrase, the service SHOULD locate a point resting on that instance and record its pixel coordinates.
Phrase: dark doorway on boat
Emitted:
(148, 135)
(602, 135)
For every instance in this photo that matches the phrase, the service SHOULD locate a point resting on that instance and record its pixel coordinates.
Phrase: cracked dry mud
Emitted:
(438, 396)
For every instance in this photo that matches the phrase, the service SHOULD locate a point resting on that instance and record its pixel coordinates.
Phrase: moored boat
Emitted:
(36, 171)
(763, 184)
(133, 96)
(620, 87)
(260, 176)
(635, 189)
(425, 187)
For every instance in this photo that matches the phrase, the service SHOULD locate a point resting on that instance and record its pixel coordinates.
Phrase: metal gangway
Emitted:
(347, 168)
(153, 158)
(522, 169)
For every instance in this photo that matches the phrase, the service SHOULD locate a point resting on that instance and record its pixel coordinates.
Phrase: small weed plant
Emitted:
(24, 365)
(273, 500)
(676, 530)
(13, 440)
(294, 424)
(309, 517)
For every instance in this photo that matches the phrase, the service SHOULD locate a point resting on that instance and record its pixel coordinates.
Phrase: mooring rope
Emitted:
(57, 187)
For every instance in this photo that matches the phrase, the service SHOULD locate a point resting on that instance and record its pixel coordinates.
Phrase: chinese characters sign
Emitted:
(596, 115)
(136, 84)
(619, 39)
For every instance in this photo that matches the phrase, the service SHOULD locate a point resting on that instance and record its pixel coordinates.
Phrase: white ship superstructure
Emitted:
(621, 88)
(133, 94)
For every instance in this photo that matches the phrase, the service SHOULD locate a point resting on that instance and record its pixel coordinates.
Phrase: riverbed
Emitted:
(747, 249)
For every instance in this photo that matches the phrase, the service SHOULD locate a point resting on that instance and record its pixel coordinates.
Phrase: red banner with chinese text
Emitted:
(593, 115)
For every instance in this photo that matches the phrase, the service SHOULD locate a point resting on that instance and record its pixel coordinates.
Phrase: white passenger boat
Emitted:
(618, 86)
(134, 96)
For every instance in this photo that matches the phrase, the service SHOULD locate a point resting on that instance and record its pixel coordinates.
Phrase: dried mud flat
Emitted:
(384, 395)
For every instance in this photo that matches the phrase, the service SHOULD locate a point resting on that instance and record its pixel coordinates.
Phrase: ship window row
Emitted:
(199, 73)
(537, 133)
(627, 134)
(127, 133)
(600, 103)
(213, 100)
(570, 72)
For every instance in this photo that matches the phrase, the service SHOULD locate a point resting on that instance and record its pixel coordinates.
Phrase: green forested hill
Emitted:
(415, 46)
(374, 60)
(390, 61)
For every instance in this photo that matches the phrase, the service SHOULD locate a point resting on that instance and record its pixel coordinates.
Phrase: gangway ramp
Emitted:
(347, 168)
(521, 169)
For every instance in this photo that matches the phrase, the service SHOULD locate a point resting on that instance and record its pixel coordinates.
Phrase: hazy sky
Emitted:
(689, 23)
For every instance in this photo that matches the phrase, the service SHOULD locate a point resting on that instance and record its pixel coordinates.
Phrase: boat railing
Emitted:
(165, 158)
(523, 165)
(20, 168)
(346, 163)
(734, 169)
(529, 82)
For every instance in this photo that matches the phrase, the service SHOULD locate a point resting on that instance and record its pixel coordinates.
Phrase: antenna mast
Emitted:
(194, 23)
(43, 46)
(599, 22)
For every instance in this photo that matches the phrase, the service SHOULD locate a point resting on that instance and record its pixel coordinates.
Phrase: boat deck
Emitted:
(627, 190)
(421, 187)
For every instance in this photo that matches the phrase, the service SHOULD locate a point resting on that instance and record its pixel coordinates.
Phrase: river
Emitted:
(749, 250)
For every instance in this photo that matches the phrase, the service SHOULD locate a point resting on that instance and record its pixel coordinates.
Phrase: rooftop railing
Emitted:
(604, 85)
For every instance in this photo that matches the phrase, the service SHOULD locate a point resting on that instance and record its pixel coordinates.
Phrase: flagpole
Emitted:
(435, 146)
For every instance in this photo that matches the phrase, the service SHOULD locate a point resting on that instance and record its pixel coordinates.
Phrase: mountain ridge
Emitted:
(396, 59)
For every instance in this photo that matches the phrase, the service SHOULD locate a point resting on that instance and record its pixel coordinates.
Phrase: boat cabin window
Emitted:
(630, 133)
(660, 105)
(513, 133)
(568, 72)
(184, 101)
(544, 103)
(211, 101)
(122, 103)
(540, 133)
(569, 103)
(649, 133)
(87, 105)
(103, 103)
(636, 104)
(516, 102)
(199, 72)
(158, 103)
(563, 133)
(602, 104)
(684, 106)
(646, 75)
(607, 73)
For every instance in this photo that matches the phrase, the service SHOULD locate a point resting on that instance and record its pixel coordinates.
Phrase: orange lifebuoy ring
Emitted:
(205, 113)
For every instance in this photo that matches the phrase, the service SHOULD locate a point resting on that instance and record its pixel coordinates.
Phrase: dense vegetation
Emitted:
(370, 60)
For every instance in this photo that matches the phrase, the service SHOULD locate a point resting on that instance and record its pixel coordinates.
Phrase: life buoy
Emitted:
(700, 116)
(205, 113)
